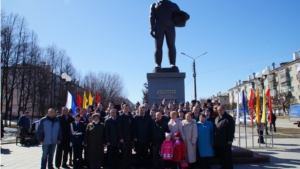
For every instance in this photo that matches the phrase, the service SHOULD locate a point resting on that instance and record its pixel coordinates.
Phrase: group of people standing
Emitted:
(177, 136)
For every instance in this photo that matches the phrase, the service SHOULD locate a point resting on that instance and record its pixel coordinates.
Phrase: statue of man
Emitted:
(164, 16)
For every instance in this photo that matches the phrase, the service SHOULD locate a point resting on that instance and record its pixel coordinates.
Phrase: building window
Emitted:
(290, 68)
(291, 78)
(298, 87)
(299, 96)
(292, 89)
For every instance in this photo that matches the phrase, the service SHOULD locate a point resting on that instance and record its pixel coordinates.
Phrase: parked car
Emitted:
(248, 119)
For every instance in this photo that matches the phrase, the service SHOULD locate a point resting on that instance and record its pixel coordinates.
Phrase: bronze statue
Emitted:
(164, 17)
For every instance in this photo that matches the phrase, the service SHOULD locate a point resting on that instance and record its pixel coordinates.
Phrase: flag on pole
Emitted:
(69, 101)
(74, 105)
(251, 105)
(257, 107)
(98, 98)
(237, 119)
(90, 98)
(85, 101)
(245, 108)
(263, 118)
(78, 101)
(270, 105)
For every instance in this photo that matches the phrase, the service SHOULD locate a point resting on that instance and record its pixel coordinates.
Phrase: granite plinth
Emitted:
(166, 85)
(166, 70)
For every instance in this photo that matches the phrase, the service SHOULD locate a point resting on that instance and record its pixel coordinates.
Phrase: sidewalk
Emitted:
(285, 154)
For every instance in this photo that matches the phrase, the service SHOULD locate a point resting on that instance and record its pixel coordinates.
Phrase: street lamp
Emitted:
(262, 76)
(194, 71)
(67, 79)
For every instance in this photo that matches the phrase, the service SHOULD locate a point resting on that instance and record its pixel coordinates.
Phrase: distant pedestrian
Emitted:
(2, 129)
(224, 134)
(49, 134)
(24, 126)
(273, 122)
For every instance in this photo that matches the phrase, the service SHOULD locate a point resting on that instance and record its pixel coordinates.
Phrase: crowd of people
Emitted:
(166, 136)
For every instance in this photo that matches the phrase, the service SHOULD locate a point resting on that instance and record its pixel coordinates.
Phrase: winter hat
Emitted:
(168, 135)
(177, 134)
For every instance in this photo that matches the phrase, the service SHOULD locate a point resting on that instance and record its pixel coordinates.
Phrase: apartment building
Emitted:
(282, 81)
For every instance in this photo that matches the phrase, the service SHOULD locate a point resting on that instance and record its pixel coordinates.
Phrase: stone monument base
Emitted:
(167, 85)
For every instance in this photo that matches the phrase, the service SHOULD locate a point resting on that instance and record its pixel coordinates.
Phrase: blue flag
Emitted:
(74, 106)
(245, 108)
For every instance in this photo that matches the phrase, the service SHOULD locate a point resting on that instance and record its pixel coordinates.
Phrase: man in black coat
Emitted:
(158, 129)
(111, 138)
(224, 134)
(142, 125)
(77, 135)
(125, 134)
(63, 148)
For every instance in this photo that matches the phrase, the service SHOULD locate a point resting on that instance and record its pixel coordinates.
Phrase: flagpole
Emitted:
(252, 134)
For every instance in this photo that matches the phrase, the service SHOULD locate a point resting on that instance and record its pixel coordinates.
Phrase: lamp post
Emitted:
(261, 77)
(66, 79)
(194, 71)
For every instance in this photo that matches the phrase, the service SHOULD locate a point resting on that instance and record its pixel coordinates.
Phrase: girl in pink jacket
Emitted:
(166, 151)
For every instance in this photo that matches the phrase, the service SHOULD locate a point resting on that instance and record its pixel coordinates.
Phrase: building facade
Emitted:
(282, 81)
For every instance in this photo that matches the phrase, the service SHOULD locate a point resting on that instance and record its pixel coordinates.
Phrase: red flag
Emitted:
(270, 105)
(251, 105)
(98, 98)
(78, 101)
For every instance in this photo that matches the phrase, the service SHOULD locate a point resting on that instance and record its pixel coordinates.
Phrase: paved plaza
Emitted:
(285, 154)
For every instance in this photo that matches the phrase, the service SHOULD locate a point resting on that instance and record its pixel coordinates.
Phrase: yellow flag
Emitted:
(84, 102)
(90, 98)
(263, 118)
(257, 107)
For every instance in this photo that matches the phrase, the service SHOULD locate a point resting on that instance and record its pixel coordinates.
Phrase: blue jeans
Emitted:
(48, 152)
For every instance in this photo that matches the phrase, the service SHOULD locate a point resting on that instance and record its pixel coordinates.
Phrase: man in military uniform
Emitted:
(77, 131)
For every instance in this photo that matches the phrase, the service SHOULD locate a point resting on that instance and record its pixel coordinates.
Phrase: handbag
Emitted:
(184, 164)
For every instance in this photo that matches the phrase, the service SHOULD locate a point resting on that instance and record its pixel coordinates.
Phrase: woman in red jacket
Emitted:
(179, 150)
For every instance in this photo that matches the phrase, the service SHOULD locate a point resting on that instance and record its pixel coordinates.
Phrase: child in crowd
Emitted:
(179, 150)
(166, 151)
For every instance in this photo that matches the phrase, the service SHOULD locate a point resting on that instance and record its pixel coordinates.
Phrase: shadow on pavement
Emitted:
(5, 151)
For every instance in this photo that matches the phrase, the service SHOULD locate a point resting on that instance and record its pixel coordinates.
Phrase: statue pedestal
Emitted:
(168, 85)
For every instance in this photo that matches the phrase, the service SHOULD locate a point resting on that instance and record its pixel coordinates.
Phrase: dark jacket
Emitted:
(224, 130)
(102, 116)
(66, 128)
(111, 131)
(94, 138)
(142, 126)
(125, 128)
(166, 118)
(24, 122)
(158, 130)
(49, 131)
(197, 117)
(79, 128)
